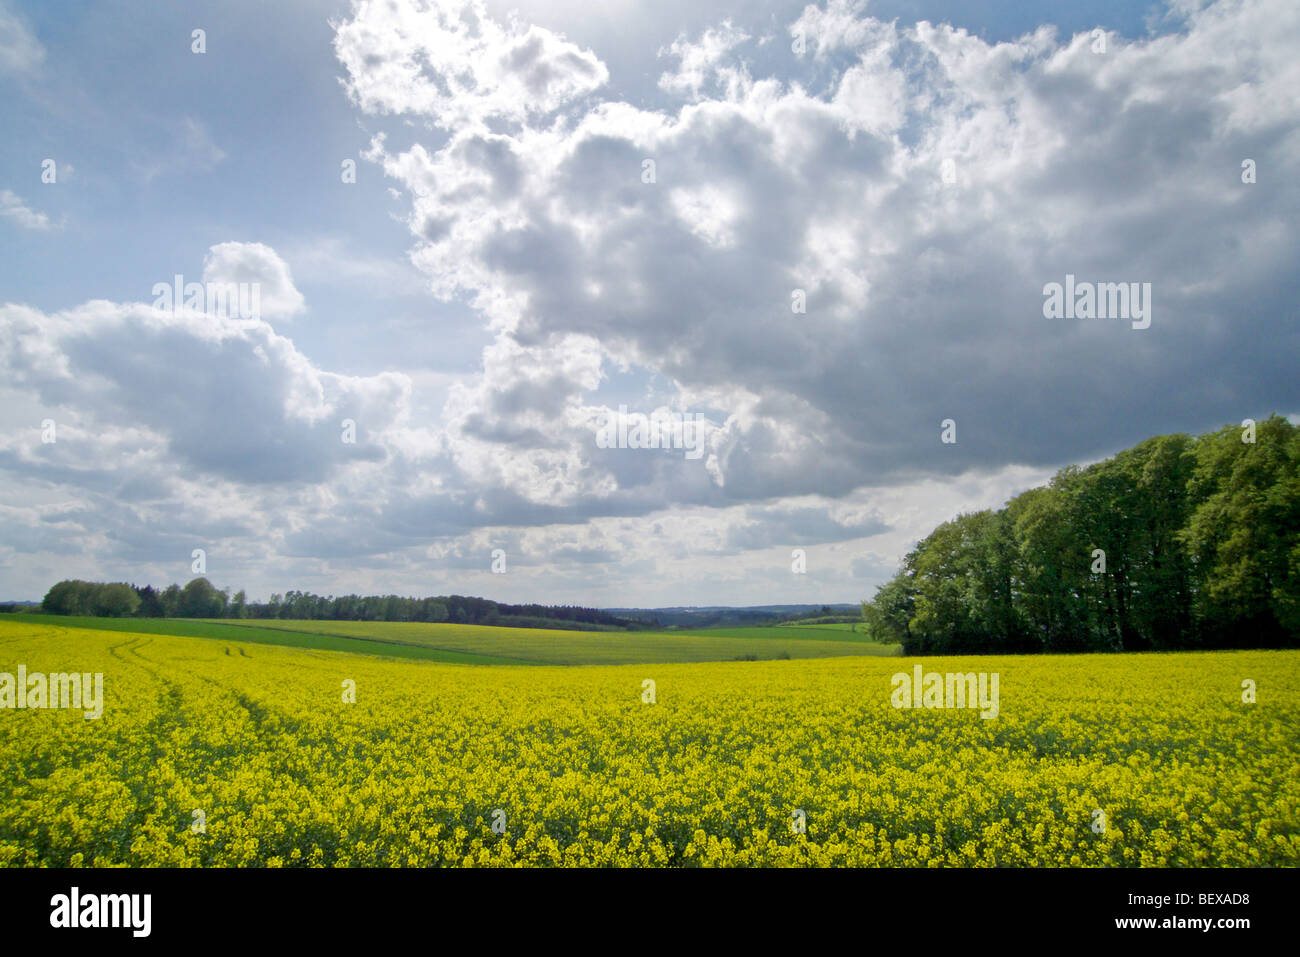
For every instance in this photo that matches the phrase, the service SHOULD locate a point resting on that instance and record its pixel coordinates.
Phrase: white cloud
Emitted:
(839, 25)
(703, 61)
(709, 212)
(208, 395)
(14, 209)
(453, 63)
(255, 263)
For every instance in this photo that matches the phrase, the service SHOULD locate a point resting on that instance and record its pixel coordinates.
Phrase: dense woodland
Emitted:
(1201, 543)
(199, 599)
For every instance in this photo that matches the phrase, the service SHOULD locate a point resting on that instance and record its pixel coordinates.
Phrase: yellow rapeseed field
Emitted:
(215, 753)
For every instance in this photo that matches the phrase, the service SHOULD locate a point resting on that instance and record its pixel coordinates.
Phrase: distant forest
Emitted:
(199, 599)
(1179, 542)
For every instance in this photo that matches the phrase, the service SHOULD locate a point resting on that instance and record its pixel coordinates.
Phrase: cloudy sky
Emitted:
(477, 228)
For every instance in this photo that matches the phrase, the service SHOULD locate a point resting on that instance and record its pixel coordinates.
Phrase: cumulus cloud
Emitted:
(454, 64)
(838, 25)
(224, 397)
(920, 202)
(260, 264)
(15, 210)
(704, 61)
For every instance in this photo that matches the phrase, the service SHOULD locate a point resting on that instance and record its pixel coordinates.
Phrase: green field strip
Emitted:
(256, 634)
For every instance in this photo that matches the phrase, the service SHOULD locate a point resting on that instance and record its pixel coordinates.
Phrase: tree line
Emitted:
(198, 598)
(1178, 542)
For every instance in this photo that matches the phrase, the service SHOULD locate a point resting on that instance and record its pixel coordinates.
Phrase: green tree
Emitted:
(114, 600)
(170, 600)
(1199, 539)
(1051, 564)
(68, 597)
(1243, 534)
(889, 614)
(199, 599)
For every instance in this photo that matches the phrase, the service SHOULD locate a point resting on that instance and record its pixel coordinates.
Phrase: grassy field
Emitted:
(855, 626)
(557, 647)
(800, 633)
(757, 763)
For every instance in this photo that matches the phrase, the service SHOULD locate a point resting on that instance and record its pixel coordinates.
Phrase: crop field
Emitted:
(211, 752)
(559, 647)
(485, 644)
(278, 633)
(842, 633)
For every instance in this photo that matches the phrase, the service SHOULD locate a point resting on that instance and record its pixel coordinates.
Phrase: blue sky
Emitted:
(489, 285)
